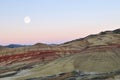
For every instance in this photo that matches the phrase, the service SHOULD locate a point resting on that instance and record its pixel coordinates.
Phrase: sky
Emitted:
(55, 21)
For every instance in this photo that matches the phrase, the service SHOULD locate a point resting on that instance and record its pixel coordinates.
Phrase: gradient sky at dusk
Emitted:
(55, 21)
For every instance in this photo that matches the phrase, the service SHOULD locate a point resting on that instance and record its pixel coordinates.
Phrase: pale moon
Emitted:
(27, 20)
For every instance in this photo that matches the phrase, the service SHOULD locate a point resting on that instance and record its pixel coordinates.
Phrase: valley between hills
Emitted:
(94, 57)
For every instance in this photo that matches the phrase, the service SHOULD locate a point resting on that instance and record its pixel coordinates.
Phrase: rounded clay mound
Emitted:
(101, 60)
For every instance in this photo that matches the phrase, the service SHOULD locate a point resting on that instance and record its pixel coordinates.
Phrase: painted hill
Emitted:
(103, 38)
(95, 57)
(41, 45)
(99, 59)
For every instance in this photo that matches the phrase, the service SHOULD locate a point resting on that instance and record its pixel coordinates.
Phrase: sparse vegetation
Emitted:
(117, 31)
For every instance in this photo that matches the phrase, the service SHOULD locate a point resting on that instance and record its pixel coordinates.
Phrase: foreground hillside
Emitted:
(95, 57)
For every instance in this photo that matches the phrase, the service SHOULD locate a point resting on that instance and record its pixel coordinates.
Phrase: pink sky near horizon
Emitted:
(30, 36)
(55, 21)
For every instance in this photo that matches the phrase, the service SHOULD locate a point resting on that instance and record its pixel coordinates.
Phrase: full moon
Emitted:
(27, 20)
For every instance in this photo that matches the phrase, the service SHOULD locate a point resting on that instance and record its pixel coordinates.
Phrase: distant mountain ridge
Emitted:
(15, 45)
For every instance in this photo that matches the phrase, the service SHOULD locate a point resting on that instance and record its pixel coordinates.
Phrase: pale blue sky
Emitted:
(55, 21)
